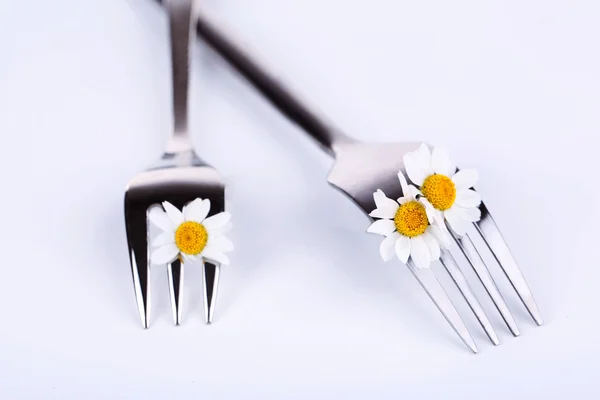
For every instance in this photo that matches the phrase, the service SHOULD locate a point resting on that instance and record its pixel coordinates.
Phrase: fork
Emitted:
(178, 177)
(360, 169)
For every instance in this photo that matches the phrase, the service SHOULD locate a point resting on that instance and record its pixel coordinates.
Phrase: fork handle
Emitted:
(180, 31)
(280, 96)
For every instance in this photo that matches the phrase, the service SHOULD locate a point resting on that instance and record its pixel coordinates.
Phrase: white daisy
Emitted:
(449, 194)
(408, 227)
(189, 235)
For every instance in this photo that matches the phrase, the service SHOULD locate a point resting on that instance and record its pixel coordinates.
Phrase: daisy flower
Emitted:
(409, 228)
(189, 235)
(449, 194)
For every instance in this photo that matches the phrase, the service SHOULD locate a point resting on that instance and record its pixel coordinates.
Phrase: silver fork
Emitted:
(362, 168)
(178, 177)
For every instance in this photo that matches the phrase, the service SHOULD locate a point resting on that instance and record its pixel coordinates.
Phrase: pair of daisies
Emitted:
(414, 226)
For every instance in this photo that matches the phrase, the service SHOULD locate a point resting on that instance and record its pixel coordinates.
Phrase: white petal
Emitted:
(173, 213)
(461, 218)
(418, 164)
(472, 214)
(433, 214)
(441, 235)
(467, 198)
(458, 225)
(413, 192)
(163, 238)
(222, 230)
(386, 208)
(403, 183)
(197, 210)
(432, 245)
(212, 254)
(441, 162)
(164, 254)
(221, 243)
(439, 219)
(408, 191)
(383, 227)
(419, 252)
(465, 179)
(403, 200)
(386, 249)
(189, 258)
(160, 218)
(403, 248)
(217, 221)
(381, 200)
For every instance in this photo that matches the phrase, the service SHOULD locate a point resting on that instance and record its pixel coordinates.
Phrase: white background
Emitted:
(307, 309)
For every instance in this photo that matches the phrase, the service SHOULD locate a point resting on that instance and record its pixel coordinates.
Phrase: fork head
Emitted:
(178, 185)
(361, 169)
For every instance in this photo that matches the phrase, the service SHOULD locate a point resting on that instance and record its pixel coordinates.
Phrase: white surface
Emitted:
(307, 309)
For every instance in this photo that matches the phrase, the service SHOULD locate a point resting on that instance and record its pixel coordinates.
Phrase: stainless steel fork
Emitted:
(362, 168)
(178, 177)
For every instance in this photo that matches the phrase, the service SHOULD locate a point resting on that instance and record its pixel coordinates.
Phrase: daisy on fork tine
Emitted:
(189, 234)
(409, 227)
(447, 194)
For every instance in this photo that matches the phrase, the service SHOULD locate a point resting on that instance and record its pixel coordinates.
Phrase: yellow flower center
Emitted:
(191, 237)
(440, 191)
(411, 219)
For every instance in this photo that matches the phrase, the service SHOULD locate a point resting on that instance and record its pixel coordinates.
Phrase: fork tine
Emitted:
(470, 251)
(137, 241)
(493, 238)
(438, 295)
(459, 279)
(175, 275)
(211, 283)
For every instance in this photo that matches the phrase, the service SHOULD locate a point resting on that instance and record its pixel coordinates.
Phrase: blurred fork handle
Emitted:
(181, 21)
(263, 79)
